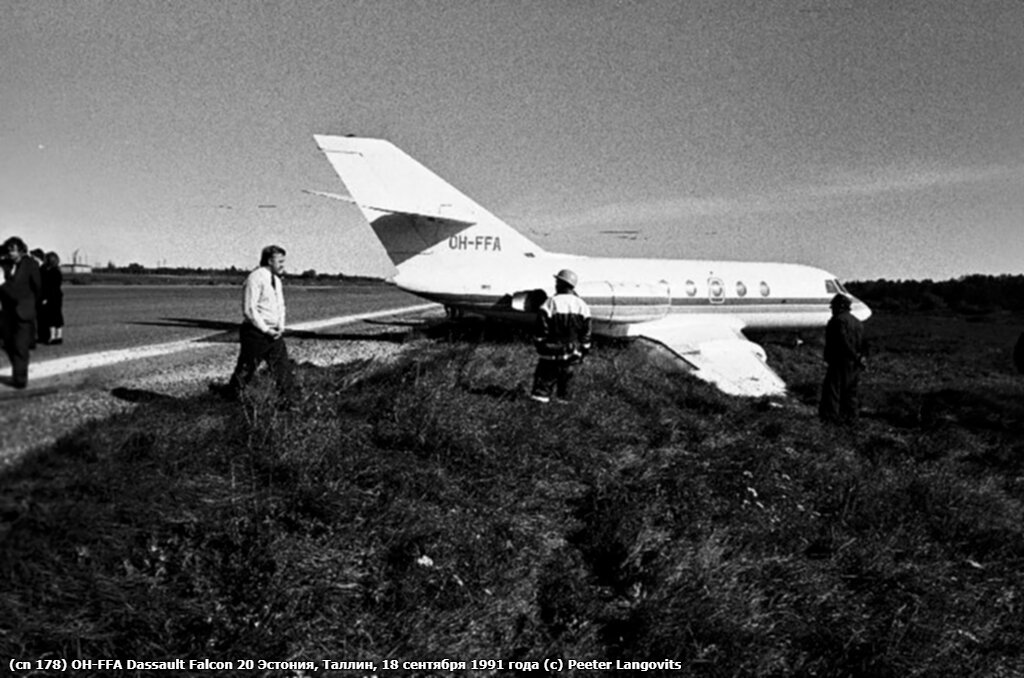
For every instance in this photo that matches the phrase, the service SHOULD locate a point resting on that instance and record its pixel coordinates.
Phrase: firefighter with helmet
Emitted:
(562, 339)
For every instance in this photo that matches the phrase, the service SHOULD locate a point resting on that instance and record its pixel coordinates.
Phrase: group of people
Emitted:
(31, 304)
(563, 336)
(562, 340)
(32, 313)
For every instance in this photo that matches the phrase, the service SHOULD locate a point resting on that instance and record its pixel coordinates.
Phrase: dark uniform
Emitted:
(562, 340)
(18, 295)
(38, 332)
(51, 312)
(844, 355)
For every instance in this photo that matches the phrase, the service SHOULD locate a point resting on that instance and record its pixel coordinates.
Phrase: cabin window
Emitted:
(765, 290)
(741, 289)
(691, 288)
(716, 288)
(830, 287)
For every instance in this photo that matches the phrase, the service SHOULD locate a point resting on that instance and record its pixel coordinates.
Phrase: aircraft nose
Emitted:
(860, 310)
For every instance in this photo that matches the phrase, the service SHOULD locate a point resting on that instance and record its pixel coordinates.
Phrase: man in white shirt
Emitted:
(261, 335)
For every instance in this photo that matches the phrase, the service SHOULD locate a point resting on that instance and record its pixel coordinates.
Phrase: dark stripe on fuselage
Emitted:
(486, 302)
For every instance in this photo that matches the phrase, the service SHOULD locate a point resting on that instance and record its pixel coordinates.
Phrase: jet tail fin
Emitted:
(413, 211)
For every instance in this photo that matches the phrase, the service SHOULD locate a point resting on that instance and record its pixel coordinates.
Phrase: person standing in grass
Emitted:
(37, 329)
(562, 340)
(51, 316)
(845, 360)
(18, 295)
(261, 336)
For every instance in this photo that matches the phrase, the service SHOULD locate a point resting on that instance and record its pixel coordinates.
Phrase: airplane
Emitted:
(448, 249)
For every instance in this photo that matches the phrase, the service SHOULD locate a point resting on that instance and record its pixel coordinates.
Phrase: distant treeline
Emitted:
(972, 294)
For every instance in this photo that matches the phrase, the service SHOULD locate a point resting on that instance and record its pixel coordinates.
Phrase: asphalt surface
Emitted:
(109, 318)
(106, 317)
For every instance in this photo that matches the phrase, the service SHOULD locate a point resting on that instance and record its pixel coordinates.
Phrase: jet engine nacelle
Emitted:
(610, 302)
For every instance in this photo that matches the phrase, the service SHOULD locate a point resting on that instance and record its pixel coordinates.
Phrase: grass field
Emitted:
(427, 510)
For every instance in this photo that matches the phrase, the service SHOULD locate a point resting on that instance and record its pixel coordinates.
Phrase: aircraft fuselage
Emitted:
(622, 292)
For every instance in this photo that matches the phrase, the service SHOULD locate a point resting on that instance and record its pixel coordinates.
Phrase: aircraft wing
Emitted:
(717, 352)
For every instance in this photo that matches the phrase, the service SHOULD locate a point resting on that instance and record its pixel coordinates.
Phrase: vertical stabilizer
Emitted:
(412, 210)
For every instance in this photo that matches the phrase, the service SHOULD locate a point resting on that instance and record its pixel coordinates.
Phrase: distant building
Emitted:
(76, 266)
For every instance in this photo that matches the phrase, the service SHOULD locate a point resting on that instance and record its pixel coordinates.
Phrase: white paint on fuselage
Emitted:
(797, 296)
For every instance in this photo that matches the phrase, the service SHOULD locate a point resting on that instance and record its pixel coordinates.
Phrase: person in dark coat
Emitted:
(18, 294)
(845, 358)
(51, 318)
(562, 340)
(38, 331)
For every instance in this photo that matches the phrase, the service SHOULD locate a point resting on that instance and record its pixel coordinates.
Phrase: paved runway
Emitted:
(111, 324)
(129, 344)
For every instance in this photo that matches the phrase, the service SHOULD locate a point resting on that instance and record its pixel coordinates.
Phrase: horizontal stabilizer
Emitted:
(384, 210)
(379, 175)
(332, 196)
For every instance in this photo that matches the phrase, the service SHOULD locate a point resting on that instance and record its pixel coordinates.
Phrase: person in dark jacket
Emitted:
(845, 358)
(562, 340)
(18, 294)
(38, 331)
(51, 318)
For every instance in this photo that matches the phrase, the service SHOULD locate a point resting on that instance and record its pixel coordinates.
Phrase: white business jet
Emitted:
(449, 249)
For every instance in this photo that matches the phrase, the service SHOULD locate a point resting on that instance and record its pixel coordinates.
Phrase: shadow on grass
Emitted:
(136, 395)
(973, 409)
(227, 332)
(393, 337)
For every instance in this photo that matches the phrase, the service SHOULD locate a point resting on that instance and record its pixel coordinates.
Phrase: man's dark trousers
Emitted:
(257, 346)
(17, 337)
(553, 377)
(839, 393)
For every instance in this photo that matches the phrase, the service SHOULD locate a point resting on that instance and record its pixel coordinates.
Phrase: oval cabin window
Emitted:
(765, 290)
(741, 289)
(691, 288)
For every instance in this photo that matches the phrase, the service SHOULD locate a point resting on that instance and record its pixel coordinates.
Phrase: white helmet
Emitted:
(567, 276)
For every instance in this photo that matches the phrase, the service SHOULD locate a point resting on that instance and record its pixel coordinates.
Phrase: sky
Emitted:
(873, 139)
